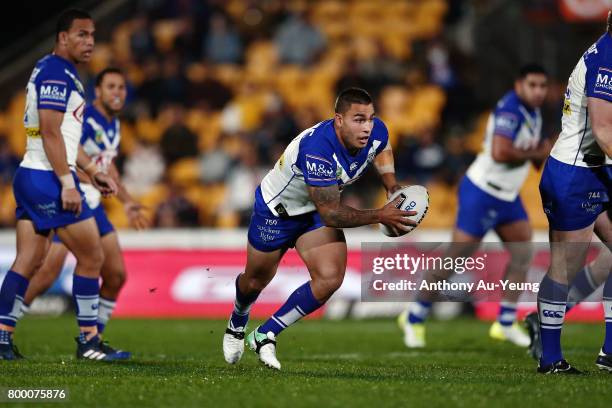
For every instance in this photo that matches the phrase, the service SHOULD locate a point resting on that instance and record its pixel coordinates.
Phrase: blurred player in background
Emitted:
(100, 140)
(575, 189)
(47, 191)
(489, 199)
(298, 204)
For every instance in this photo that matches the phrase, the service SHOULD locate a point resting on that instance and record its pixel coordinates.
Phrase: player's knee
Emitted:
(92, 260)
(327, 285)
(27, 264)
(256, 284)
(115, 280)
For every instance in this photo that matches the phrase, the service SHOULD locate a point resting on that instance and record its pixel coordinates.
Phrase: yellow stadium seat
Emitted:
(473, 140)
(229, 75)
(121, 42)
(101, 57)
(184, 172)
(210, 131)
(442, 206)
(116, 214)
(128, 138)
(164, 33)
(7, 205)
(149, 130)
(152, 198)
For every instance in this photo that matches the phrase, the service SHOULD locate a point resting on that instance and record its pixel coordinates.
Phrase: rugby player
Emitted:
(489, 200)
(575, 190)
(47, 190)
(100, 140)
(298, 205)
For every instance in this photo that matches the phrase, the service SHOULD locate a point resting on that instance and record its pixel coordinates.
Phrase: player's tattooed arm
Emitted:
(600, 112)
(337, 215)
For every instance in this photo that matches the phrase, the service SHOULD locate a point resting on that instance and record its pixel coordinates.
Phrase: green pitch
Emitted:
(179, 363)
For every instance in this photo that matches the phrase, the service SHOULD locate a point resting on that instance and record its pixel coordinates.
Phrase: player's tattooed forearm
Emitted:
(327, 200)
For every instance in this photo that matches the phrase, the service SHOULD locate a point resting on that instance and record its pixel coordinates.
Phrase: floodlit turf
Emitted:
(178, 363)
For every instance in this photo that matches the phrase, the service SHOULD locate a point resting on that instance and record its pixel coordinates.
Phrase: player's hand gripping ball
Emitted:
(413, 198)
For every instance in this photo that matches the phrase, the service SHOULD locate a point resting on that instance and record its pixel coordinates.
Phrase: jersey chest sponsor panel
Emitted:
(523, 126)
(591, 77)
(54, 84)
(317, 158)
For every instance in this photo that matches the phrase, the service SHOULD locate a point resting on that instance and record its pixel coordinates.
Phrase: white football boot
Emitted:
(265, 346)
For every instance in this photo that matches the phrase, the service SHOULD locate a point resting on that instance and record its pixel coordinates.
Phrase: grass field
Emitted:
(351, 363)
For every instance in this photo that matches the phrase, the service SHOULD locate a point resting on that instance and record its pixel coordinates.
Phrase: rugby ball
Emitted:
(413, 198)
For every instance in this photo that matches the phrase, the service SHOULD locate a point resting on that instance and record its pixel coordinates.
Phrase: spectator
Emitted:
(421, 158)
(143, 169)
(241, 183)
(223, 44)
(176, 211)
(142, 43)
(298, 41)
(177, 141)
(214, 166)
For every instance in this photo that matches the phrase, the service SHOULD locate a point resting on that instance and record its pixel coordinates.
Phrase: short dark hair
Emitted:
(67, 17)
(350, 96)
(531, 68)
(105, 71)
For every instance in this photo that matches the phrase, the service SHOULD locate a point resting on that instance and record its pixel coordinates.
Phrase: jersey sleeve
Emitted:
(382, 134)
(507, 122)
(598, 77)
(317, 165)
(53, 89)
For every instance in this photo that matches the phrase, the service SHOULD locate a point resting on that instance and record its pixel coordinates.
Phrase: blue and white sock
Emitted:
(552, 301)
(607, 303)
(419, 311)
(86, 295)
(300, 303)
(24, 310)
(581, 287)
(11, 297)
(507, 313)
(5, 337)
(242, 307)
(105, 310)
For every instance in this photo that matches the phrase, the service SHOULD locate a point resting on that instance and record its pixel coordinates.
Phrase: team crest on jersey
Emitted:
(98, 137)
